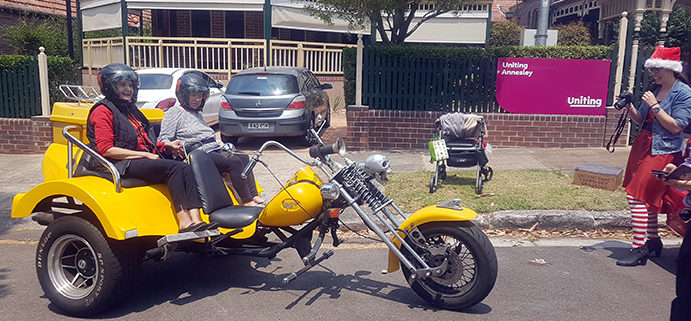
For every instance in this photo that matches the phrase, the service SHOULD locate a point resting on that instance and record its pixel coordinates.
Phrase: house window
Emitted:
(201, 23)
(235, 24)
(297, 35)
(172, 25)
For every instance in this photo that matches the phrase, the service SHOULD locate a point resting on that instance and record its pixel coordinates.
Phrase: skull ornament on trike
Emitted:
(100, 230)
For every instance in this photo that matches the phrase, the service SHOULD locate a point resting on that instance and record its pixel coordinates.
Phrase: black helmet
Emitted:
(191, 83)
(109, 77)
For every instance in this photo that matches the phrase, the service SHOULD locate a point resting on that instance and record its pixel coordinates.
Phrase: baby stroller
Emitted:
(459, 142)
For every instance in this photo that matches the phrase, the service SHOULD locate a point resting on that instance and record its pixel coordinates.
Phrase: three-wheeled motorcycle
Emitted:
(100, 229)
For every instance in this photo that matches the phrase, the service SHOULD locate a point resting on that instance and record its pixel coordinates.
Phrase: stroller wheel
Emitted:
(433, 184)
(479, 182)
(441, 171)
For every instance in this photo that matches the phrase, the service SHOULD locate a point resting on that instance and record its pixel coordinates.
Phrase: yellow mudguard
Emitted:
(427, 215)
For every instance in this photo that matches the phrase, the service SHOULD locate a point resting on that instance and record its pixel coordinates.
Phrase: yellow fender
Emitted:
(136, 211)
(427, 215)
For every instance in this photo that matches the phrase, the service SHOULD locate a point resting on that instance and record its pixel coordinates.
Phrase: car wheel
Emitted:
(80, 270)
(230, 139)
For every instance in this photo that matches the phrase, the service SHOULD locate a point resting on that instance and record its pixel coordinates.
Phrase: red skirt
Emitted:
(638, 181)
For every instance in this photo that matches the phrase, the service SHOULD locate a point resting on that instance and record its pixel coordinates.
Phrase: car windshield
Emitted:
(155, 81)
(262, 85)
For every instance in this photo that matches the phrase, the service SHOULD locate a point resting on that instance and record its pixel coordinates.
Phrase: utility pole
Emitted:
(70, 40)
(542, 22)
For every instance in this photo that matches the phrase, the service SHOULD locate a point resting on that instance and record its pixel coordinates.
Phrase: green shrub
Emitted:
(32, 32)
(349, 59)
(505, 33)
(573, 34)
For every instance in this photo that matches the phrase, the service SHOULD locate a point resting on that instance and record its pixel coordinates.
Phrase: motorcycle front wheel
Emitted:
(472, 265)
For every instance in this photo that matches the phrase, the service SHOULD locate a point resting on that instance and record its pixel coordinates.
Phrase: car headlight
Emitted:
(330, 191)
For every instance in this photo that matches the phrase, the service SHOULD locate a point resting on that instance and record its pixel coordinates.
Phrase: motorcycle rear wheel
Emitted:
(472, 269)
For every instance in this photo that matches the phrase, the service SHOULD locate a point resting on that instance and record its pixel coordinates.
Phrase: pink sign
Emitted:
(552, 86)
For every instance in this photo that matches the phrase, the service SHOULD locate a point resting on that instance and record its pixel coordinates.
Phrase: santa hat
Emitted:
(667, 58)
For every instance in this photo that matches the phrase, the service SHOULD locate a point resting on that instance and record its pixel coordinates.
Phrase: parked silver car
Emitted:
(272, 101)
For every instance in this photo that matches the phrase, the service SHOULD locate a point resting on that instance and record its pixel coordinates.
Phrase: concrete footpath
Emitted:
(20, 173)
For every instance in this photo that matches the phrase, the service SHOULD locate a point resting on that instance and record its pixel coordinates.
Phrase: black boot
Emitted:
(654, 246)
(638, 256)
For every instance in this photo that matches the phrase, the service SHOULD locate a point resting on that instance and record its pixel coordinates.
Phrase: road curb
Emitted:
(545, 220)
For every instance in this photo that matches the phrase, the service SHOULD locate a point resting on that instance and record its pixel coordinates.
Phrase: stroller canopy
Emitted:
(460, 126)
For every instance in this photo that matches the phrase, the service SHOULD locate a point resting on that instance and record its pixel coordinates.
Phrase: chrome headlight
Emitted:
(330, 191)
(378, 166)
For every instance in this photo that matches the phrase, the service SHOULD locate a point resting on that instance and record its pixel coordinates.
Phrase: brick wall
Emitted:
(388, 129)
(254, 25)
(25, 136)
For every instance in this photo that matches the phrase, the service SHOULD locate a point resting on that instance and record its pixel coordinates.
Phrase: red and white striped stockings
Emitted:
(642, 222)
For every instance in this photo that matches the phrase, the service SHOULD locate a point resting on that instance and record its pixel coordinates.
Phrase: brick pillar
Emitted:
(218, 24)
(357, 128)
(184, 23)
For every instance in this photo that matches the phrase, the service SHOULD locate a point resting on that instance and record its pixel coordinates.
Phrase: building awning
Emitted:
(287, 14)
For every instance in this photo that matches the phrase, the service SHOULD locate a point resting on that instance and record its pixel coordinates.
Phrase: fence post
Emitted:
(623, 27)
(230, 59)
(160, 53)
(638, 17)
(358, 71)
(43, 81)
(301, 56)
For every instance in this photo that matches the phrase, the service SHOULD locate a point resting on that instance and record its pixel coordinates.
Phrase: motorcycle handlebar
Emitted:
(249, 167)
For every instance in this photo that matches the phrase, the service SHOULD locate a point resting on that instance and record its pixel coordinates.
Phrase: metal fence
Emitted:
(21, 96)
(403, 83)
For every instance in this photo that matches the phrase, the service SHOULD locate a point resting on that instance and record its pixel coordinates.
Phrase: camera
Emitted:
(625, 98)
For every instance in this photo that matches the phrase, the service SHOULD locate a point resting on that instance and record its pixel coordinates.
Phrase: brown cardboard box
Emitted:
(598, 176)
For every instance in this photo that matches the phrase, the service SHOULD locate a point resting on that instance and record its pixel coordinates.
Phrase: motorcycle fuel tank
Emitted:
(297, 203)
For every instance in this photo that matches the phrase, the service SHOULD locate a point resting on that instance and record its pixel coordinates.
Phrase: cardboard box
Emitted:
(598, 176)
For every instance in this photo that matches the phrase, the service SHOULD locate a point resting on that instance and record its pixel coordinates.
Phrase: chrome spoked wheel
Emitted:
(72, 266)
(471, 265)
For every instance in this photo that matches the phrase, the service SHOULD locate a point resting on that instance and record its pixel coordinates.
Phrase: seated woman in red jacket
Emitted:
(121, 133)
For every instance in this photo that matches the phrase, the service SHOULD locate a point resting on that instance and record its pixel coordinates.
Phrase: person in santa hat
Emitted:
(663, 113)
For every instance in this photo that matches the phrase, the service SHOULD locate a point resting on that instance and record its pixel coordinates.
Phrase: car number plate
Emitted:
(258, 125)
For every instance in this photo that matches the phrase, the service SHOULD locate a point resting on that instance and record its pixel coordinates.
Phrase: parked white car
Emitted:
(157, 89)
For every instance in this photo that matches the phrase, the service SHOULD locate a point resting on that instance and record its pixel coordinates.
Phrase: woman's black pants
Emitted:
(178, 176)
(681, 305)
(246, 188)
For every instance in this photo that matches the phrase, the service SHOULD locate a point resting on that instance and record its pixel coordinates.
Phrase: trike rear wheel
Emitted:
(80, 271)
(472, 265)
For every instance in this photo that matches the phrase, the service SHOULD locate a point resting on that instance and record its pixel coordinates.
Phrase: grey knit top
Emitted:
(190, 128)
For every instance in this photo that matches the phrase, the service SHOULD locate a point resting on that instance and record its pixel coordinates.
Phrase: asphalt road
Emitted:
(577, 280)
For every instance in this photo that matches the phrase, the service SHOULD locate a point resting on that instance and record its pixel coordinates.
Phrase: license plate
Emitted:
(257, 125)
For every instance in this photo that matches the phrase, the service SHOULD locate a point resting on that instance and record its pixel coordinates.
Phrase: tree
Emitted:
(394, 16)
(573, 34)
(505, 33)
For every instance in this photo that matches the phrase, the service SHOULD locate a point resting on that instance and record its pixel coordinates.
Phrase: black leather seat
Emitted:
(81, 170)
(216, 201)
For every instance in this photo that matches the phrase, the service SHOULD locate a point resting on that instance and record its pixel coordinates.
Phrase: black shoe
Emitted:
(654, 245)
(638, 256)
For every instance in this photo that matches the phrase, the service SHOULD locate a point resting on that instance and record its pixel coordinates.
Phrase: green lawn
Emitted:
(508, 190)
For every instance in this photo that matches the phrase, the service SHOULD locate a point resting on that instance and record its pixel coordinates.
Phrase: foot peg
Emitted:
(186, 236)
(292, 276)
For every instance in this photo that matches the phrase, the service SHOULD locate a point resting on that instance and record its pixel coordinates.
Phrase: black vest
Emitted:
(124, 134)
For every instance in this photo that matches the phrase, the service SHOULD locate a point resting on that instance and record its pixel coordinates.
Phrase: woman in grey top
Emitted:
(185, 123)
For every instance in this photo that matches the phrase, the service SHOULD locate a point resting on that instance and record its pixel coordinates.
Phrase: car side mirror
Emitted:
(219, 84)
(327, 86)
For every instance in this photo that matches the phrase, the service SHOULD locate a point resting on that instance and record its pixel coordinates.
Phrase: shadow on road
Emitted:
(620, 250)
(188, 278)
